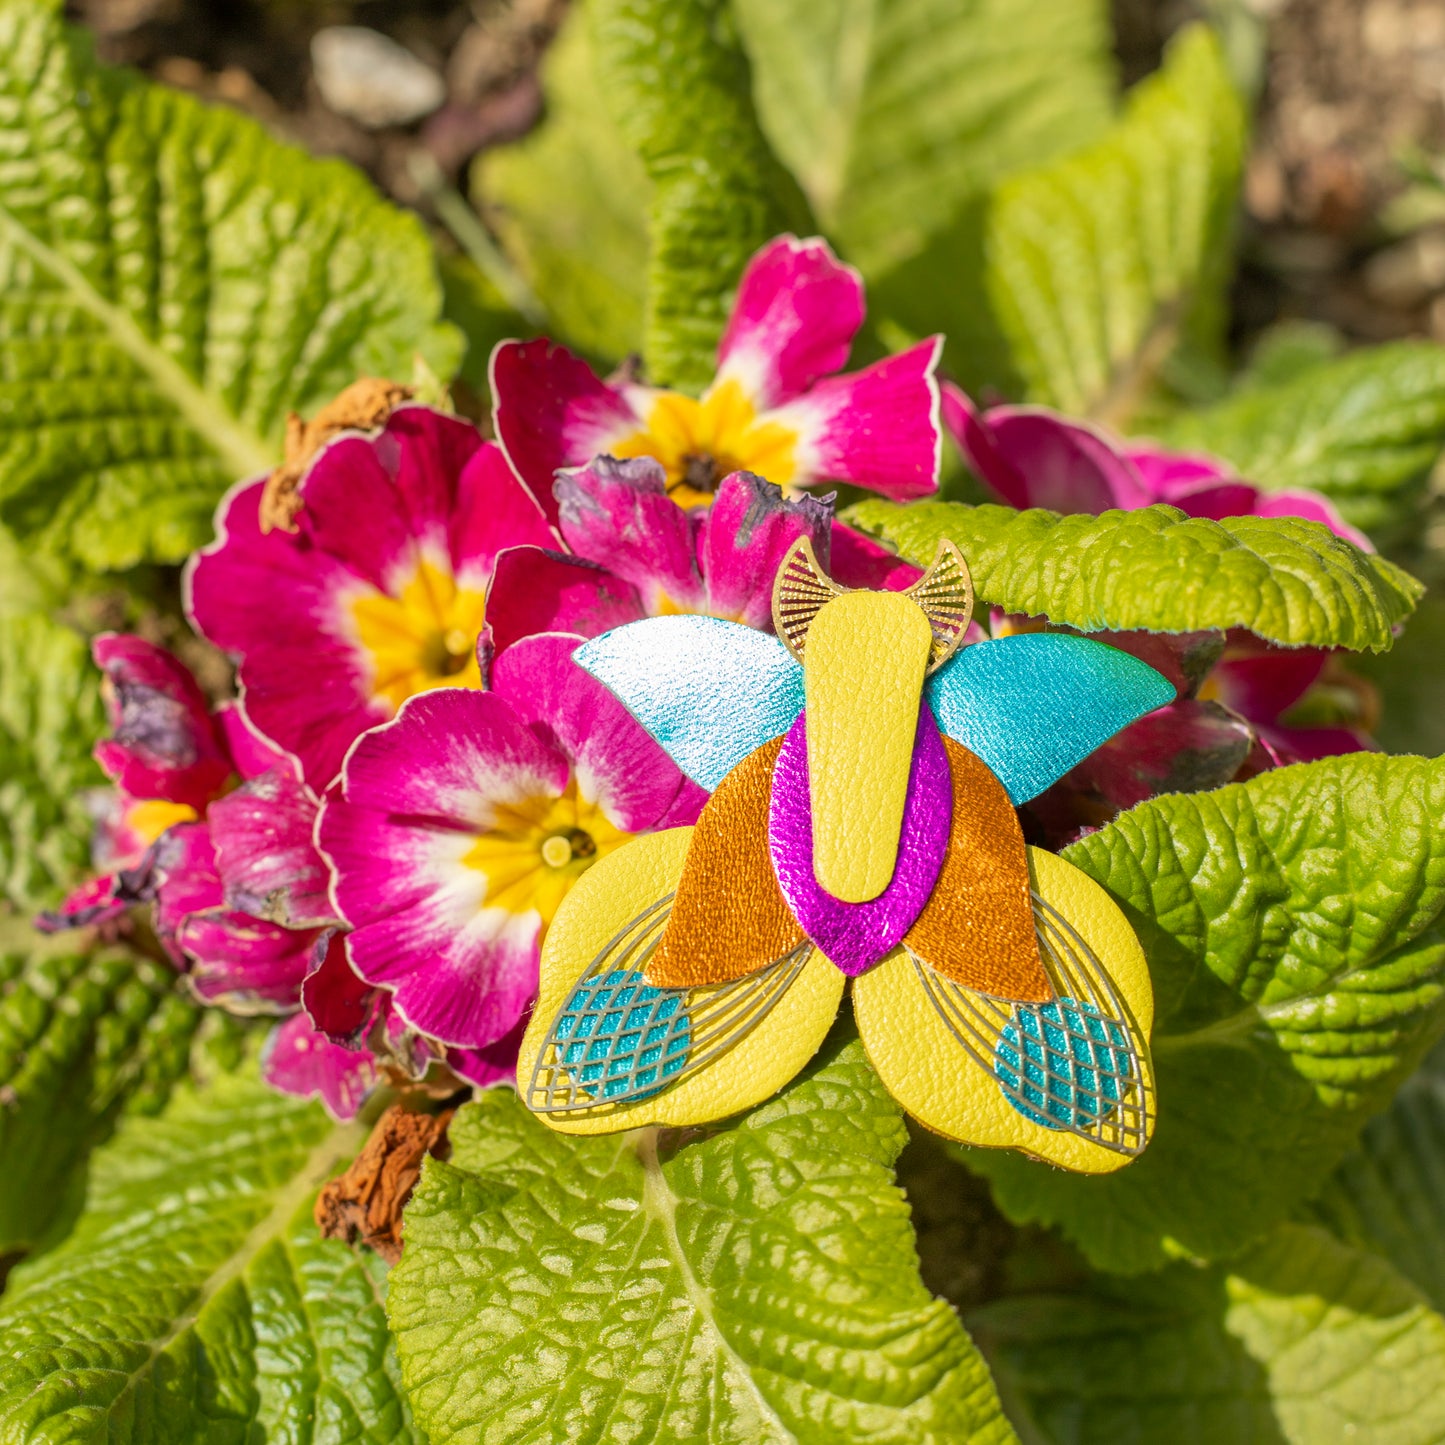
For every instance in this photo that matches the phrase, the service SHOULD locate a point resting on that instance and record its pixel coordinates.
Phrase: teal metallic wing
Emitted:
(709, 691)
(1034, 705)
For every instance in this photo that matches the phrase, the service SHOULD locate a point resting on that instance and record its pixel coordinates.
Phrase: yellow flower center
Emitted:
(422, 638)
(701, 442)
(149, 818)
(536, 850)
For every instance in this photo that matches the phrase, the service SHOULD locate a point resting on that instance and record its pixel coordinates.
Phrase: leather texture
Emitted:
(603, 901)
(925, 1068)
(1035, 704)
(709, 691)
(863, 672)
(978, 925)
(856, 935)
(729, 918)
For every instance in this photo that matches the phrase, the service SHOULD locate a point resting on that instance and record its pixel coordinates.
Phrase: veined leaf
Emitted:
(1294, 933)
(50, 717)
(757, 1285)
(1284, 579)
(1103, 264)
(892, 113)
(681, 92)
(174, 282)
(1303, 1340)
(1364, 429)
(570, 204)
(83, 1038)
(1389, 1194)
(194, 1300)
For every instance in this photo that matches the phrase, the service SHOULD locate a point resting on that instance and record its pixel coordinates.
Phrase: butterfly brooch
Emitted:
(864, 770)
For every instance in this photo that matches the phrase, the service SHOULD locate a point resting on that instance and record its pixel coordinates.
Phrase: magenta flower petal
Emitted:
(856, 560)
(165, 744)
(797, 311)
(553, 412)
(251, 753)
(299, 1060)
(276, 602)
(377, 596)
(856, 935)
(878, 428)
(374, 501)
(1215, 500)
(745, 535)
(1033, 457)
(97, 900)
(494, 1064)
(1166, 473)
(1314, 508)
(493, 511)
(265, 856)
(402, 837)
(617, 763)
(244, 963)
(1261, 682)
(535, 591)
(973, 437)
(341, 1005)
(1308, 745)
(618, 514)
(184, 878)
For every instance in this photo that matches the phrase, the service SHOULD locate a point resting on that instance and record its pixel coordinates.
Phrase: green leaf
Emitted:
(1302, 1341)
(194, 1300)
(1285, 579)
(1294, 934)
(569, 203)
(892, 113)
(1102, 265)
(1364, 429)
(757, 1284)
(50, 718)
(174, 281)
(1389, 1194)
(1411, 683)
(680, 88)
(84, 1037)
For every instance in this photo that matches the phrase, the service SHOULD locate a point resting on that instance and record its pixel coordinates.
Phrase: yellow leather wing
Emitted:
(751, 1035)
(975, 1069)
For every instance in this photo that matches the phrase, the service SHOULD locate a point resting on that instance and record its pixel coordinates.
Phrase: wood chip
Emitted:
(364, 1205)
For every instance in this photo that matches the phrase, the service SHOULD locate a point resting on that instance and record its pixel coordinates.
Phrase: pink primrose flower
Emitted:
(632, 553)
(379, 594)
(459, 826)
(213, 826)
(774, 407)
(1030, 456)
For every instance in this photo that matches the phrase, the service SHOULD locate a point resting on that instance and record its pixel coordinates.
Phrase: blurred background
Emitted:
(1343, 232)
(1345, 191)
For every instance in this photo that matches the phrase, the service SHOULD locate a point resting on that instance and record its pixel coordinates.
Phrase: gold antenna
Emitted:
(944, 592)
(799, 592)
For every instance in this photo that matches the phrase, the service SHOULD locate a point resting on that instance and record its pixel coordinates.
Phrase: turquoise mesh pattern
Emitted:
(1074, 1067)
(622, 1039)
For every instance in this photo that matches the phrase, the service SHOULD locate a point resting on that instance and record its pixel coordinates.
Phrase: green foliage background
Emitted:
(1273, 1270)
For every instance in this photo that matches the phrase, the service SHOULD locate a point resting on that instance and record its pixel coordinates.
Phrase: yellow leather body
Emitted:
(924, 1067)
(863, 671)
(607, 896)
